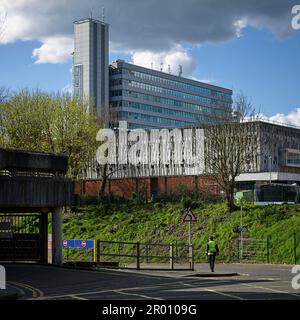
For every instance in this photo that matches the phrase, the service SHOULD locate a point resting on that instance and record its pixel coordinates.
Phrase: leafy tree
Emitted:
(50, 123)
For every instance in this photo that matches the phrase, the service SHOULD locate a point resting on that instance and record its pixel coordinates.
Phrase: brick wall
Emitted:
(165, 185)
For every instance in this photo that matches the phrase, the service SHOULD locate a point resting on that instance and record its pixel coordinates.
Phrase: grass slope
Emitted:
(162, 223)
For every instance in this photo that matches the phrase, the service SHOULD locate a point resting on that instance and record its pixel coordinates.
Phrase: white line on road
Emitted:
(272, 290)
(215, 291)
(77, 298)
(136, 294)
(106, 291)
(224, 294)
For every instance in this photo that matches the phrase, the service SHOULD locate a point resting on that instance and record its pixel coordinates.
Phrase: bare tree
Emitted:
(106, 172)
(229, 146)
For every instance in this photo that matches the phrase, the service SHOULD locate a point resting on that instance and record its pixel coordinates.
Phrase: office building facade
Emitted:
(143, 97)
(272, 174)
(147, 98)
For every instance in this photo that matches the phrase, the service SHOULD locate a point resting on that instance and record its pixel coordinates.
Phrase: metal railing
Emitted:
(138, 253)
(266, 250)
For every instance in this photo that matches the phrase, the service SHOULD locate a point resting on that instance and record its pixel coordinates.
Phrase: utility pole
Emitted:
(241, 233)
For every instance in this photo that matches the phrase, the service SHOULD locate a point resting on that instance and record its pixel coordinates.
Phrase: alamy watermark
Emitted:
(296, 17)
(154, 147)
(2, 278)
(296, 278)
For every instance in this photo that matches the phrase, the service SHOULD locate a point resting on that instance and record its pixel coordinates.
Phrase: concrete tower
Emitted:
(90, 64)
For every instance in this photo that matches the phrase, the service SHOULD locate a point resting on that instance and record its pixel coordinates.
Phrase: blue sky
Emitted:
(258, 63)
(263, 62)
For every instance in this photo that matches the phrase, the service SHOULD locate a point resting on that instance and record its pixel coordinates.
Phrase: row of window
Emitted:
(178, 84)
(166, 101)
(169, 92)
(77, 81)
(215, 102)
(183, 85)
(293, 158)
(138, 126)
(124, 103)
(147, 118)
(166, 111)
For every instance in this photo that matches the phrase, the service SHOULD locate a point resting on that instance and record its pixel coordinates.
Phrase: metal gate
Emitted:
(20, 237)
(253, 250)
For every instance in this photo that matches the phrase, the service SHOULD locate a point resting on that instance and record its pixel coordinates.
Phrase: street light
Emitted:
(241, 233)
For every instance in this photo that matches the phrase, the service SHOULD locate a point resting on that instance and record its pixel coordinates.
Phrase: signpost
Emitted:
(80, 244)
(190, 217)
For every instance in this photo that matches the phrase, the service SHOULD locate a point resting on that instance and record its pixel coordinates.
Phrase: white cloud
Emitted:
(136, 26)
(239, 25)
(162, 60)
(209, 81)
(210, 20)
(292, 118)
(54, 50)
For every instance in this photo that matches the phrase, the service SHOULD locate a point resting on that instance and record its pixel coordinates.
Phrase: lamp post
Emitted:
(241, 232)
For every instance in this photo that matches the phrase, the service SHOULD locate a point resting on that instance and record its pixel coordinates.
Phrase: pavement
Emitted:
(229, 282)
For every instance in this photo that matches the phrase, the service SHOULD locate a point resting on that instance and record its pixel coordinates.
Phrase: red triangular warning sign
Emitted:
(189, 216)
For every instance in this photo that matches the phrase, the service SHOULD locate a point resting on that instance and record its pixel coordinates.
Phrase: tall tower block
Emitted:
(90, 65)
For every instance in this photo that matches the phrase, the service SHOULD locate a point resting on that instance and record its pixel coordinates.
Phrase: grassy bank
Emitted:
(162, 223)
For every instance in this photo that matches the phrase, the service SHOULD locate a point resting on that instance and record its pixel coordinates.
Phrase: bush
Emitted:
(186, 202)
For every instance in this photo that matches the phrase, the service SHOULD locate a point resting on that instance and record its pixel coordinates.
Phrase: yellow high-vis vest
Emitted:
(211, 247)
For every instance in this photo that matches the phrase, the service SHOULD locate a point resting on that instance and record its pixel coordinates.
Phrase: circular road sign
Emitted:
(65, 243)
(83, 244)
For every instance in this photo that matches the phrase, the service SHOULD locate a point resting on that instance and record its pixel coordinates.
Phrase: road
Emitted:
(52, 283)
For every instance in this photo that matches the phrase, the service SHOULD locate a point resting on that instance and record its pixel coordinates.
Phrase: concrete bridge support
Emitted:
(57, 236)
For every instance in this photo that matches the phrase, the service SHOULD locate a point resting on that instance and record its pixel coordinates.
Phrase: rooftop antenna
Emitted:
(180, 70)
(91, 14)
(161, 66)
(169, 68)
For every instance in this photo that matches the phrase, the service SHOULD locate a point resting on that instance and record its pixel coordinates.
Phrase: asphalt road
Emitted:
(254, 282)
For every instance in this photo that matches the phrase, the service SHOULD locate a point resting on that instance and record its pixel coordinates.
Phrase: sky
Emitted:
(247, 46)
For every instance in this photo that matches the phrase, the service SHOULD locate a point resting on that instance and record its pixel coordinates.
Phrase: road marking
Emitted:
(224, 294)
(136, 294)
(36, 293)
(273, 290)
(21, 291)
(217, 292)
(107, 271)
(76, 297)
(101, 291)
(110, 290)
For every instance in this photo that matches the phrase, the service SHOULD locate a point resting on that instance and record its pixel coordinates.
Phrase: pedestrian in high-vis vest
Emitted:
(211, 251)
